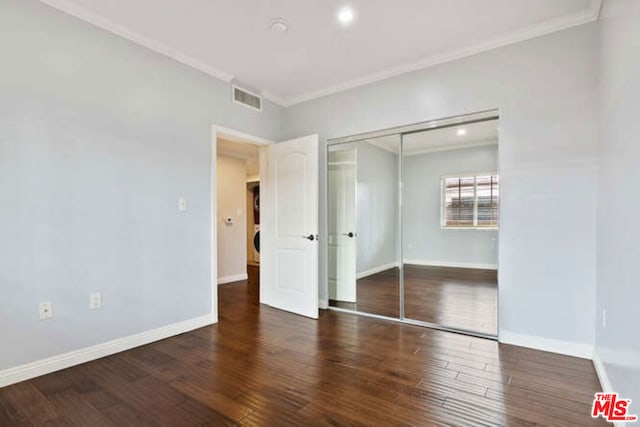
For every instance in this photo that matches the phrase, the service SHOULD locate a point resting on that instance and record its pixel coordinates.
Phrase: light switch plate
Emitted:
(182, 204)
(95, 300)
(45, 310)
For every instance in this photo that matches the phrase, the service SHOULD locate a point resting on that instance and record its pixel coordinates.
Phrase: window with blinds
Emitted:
(470, 201)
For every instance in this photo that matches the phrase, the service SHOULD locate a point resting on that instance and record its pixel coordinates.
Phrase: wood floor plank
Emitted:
(78, 410)
(188, 413)
(54, 383)
(226, 406)
(123, 414)
(27, 400)
(148, 392)
(10, 416)
(261, 366)
(101, 399)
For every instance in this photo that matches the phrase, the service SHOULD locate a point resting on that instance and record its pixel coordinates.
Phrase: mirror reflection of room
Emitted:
(363, 199)
(450, 226)
(448, 220)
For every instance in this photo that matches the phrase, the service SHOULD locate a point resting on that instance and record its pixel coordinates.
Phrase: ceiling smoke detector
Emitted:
(279, 26)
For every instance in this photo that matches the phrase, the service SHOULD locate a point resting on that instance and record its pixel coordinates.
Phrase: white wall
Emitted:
(232, 203)
(99, 138)
(377, 208)
(544, 89)
(423, 238)
(618, 290)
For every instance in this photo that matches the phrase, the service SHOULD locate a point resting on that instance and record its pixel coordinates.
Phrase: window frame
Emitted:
(443, 197)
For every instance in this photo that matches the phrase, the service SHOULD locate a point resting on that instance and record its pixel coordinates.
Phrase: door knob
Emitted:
(309, 237)
(349, 234)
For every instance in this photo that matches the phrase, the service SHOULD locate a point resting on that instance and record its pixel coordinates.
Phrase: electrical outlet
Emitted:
(45, 310)
(95, 300)
(604, 318)
(182, 205)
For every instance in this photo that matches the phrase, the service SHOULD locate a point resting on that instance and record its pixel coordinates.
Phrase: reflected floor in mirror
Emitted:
(461, 298)
(376, 294)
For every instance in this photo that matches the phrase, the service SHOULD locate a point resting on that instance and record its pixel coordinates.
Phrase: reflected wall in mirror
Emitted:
(450, 226)
(363, 223)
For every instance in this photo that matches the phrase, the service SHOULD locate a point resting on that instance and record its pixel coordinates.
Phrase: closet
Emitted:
(413, 223)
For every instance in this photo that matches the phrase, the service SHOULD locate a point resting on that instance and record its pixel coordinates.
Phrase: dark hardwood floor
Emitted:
(253, 283)
(462, 298)
(261, 366)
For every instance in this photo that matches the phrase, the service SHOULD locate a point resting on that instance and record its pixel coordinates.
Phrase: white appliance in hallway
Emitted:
(256, 243)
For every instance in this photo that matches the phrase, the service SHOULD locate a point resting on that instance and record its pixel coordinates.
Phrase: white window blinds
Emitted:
(470, 201)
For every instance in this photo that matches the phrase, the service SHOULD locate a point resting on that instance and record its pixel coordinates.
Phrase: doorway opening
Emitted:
(288, 219)
(236, 246)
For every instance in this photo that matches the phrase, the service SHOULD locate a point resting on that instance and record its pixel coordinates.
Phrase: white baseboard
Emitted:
(323, 304)
(583, 351)
(602, 373)
(451, 264)
(376, 270)
(76, 357)
(232, 278)
(605, 383)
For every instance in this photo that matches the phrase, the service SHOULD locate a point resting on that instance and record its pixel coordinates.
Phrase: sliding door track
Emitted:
(419, 323)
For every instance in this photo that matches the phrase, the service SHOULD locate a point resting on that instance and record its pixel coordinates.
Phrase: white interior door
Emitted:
(289, 228)
(342, 224)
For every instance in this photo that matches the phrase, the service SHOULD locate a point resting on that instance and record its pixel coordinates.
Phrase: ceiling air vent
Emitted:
(246, 98)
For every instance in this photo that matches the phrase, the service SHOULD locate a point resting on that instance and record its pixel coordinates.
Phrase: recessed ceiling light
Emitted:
(279, 25)
(346, 15)
(462, 132)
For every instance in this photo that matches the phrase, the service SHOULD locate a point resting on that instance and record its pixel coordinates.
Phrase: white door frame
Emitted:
(231, 135)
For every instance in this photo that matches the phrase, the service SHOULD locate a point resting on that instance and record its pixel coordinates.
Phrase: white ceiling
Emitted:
(231, 39)
(249, 152)
(477, 134)
(237, 149)
(441, 139)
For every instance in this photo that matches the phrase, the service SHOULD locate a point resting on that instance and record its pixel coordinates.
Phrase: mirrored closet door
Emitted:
(413, 218)
(450, 226)
(363, 221)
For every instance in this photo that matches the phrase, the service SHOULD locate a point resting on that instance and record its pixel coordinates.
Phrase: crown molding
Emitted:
(475, 144)
(381, 145)
(275, 99)
(584, 17)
